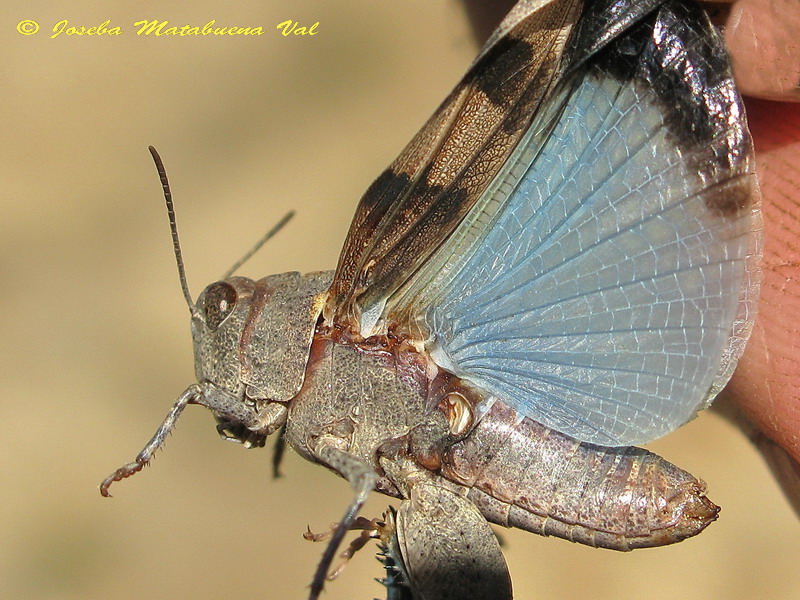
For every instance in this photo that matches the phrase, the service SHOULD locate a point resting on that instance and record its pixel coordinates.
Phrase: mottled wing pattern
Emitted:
(604, 284)
(420, 199)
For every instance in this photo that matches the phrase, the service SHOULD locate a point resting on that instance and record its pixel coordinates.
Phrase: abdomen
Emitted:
(522, 474)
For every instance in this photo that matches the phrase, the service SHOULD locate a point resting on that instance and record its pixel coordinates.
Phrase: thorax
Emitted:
(382, 400)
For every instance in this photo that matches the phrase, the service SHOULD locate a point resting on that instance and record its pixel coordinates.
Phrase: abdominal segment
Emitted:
(522, 474)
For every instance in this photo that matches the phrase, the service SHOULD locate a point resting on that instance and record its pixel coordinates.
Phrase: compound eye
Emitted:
(218, 303)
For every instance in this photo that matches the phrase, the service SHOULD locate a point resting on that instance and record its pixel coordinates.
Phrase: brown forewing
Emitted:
(419, 200)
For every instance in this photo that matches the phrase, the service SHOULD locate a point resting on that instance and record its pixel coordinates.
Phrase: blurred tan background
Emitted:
(96, 343)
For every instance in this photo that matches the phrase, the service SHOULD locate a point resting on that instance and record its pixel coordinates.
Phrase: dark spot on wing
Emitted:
(522, 112)
(416, 232)
(507, 60)
(376, 202)
(386, 188)
(731, 196)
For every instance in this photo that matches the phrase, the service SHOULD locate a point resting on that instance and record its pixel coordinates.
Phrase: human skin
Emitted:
(763, 397)
(765, 389)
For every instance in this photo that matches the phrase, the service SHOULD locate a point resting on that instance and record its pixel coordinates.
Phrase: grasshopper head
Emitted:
(251, 345)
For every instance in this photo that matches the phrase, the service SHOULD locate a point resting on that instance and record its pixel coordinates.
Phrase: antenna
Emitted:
(176, 244)
(278, 226)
